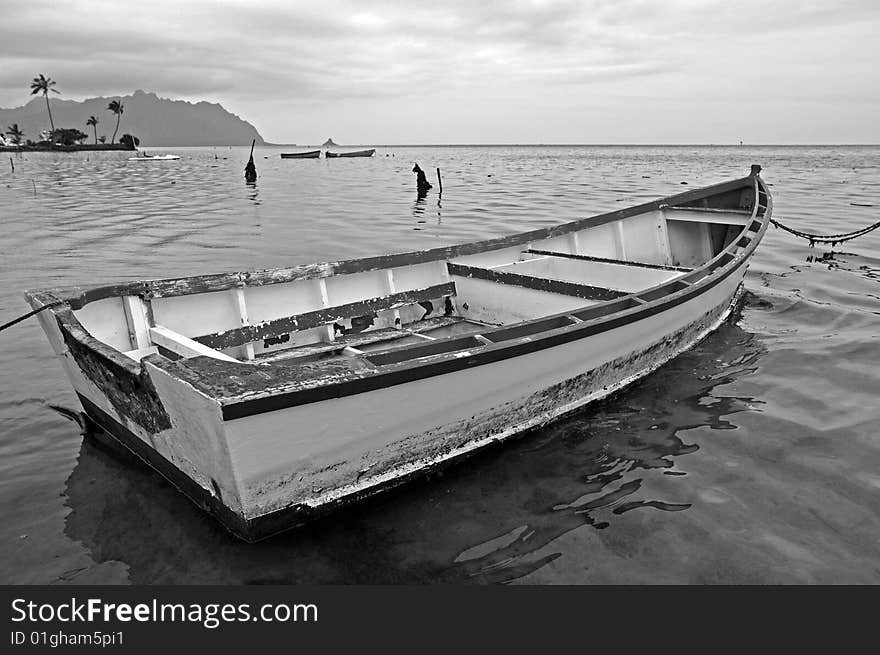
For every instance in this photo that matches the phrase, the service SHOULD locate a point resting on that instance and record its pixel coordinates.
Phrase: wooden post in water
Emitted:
(439, 181)
(250, 170)
(12, 163)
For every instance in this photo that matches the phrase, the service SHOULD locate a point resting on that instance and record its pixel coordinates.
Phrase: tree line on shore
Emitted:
(67, 136)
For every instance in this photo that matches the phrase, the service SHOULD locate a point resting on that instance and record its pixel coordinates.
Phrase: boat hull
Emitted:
(296, 464)
(267, 419)
(358, 153)
(313, 154)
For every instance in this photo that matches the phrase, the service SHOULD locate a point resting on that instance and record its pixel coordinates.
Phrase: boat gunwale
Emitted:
(270, 399)
(78, 296)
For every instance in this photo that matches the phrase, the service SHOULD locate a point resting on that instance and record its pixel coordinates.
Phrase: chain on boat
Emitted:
(833, 239)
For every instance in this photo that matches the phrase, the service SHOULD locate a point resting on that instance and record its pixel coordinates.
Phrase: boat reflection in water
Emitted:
(491, 519)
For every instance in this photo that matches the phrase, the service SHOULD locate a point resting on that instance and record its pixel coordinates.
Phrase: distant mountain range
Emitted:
(155, 121)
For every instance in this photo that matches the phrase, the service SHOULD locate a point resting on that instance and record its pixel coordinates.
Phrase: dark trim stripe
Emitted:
(562, 287)
(438, 347)
(308, 320)
(529, 328)
(606, 260)
(410, 371)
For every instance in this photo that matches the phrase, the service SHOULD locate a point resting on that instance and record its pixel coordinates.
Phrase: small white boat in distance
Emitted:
(154, 158)
(271, 397)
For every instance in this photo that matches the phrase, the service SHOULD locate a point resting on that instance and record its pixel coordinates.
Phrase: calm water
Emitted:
(753, 458)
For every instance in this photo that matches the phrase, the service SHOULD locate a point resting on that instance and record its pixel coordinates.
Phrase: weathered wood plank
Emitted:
(329, 330)
(136, 319)
(706, 210)
(138, 354)
(707, 216)
(605, 260)
(241, 306)
(538, 283)
(308, 320)
(438, 347)
(121, 379)
(184, 346)
(359, 339)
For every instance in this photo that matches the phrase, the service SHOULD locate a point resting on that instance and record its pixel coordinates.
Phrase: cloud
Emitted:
(487, 54)
(347, 48)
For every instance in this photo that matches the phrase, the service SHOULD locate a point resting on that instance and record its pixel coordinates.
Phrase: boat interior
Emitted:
(425, 305)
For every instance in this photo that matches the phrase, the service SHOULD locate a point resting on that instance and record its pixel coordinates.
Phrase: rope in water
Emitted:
(29, 314)
(833, 239)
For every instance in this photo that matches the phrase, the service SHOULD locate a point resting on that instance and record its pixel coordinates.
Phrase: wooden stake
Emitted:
(11, 163)
(439, 181)
(250, 171)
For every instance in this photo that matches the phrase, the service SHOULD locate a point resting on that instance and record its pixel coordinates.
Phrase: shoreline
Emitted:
(77, 148)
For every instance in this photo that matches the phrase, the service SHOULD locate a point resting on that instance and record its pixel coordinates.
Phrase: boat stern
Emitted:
(173, 427)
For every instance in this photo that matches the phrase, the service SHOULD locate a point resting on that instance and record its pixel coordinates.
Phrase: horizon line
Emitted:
(566, 145)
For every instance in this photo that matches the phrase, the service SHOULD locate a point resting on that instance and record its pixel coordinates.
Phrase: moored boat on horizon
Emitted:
(355, 153)
(271, 397)
(311, 154)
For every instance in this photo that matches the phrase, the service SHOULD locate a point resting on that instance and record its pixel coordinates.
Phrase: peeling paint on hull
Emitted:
(132, 395)
(426, 450)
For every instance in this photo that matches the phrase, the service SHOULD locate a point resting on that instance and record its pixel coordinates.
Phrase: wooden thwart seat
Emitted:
(182, 346)
(706, 215)
(390, 335)
(561, 287)
(605, 260)
(710, 210)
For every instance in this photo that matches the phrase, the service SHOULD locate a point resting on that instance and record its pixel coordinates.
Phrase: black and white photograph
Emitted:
(525, 293)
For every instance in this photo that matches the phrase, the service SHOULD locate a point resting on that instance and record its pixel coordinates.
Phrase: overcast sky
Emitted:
(451, 71)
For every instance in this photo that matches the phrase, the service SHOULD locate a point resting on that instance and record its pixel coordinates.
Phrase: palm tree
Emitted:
(15, 133)
(43, 85)
(116, 107)
(93, 121)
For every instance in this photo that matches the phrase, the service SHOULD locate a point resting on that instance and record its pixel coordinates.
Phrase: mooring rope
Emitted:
(833, 239)
(29, 314)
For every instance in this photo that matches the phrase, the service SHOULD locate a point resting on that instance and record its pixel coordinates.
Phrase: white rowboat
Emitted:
(270, 397)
